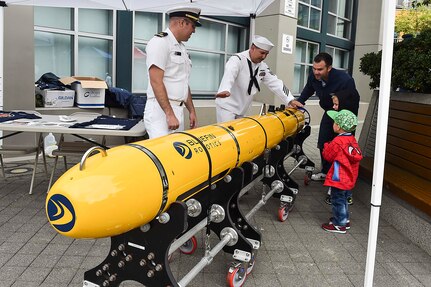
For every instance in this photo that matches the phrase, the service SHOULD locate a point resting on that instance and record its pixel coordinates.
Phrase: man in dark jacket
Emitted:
(346, 100)
(324, 81)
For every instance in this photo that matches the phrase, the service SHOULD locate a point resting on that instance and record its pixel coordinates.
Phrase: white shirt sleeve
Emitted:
(157, 53)
(276, 85)
(231, 71)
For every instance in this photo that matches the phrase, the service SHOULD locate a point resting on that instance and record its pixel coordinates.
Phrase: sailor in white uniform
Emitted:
(243, 75)
(169, 67)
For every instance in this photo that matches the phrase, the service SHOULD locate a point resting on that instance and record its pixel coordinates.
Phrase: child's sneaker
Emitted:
(333, 228)
(349, 200)
(318, 176)
(347, 224)
(328, 200)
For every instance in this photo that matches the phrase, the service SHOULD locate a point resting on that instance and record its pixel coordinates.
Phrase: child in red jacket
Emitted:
(344, 100)
(344, 154)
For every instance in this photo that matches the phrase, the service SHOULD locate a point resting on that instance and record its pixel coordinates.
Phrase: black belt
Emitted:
(176, 103)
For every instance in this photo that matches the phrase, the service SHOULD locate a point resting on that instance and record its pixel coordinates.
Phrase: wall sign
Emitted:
(287, 44)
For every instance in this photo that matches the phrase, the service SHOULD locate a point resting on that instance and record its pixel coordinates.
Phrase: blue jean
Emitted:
(340, 208)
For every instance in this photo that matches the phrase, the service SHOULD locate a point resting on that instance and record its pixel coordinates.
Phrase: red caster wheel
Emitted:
(307, 178)
(236, 276)
(189, 246)
(251, 264)
(283, 213)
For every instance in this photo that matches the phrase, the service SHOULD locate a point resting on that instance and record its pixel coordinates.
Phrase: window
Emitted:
(209, 48)
(340, 18)
(340, 58)
(309, 14)
(236, 39)
(146, 25)
(304, 55)
(53, 53)
(67, 45)
(335, 37)
(207, 71)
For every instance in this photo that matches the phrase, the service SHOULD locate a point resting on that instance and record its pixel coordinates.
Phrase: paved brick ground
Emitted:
(294, 253)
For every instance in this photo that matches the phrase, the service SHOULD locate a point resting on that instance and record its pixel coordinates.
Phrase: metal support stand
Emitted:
(228, 237)
(142, 253)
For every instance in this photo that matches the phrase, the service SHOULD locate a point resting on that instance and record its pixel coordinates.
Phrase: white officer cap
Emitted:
(262, 43)
(191, 13)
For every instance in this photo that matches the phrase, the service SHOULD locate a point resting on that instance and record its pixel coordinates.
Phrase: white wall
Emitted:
(368, 39)
(18, 85)
(18, 58)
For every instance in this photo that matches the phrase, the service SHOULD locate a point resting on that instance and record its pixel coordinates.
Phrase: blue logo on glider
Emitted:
(183, 149)
(61, 213)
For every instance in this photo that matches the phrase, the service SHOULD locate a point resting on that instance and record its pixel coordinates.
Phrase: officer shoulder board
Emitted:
(161, 34)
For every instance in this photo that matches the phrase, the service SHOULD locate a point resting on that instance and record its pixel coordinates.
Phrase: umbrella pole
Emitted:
(388, 21)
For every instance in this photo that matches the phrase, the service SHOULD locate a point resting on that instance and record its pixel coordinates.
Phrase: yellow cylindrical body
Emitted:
(134, 183)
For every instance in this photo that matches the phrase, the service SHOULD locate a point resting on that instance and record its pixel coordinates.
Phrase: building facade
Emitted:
(86, 42)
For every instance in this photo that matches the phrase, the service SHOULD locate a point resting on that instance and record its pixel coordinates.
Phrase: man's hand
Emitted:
(223, 94)
(295, 104)
(172, 121)
(193, 121)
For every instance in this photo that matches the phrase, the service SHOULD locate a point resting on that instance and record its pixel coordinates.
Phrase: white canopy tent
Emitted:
(251, 8)
(243, 8)
(237, 8)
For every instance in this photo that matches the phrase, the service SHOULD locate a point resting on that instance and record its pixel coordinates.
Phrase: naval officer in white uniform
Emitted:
(169, 67)
(243, 75)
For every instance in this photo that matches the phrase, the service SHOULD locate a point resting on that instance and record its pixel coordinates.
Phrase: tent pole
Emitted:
(252, 27)
(388, 21)
(2, 6)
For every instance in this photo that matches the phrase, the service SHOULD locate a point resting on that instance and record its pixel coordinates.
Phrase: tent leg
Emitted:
(252, 27)
(372, 245)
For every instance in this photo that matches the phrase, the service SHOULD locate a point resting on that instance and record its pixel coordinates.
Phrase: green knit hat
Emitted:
(345, 119)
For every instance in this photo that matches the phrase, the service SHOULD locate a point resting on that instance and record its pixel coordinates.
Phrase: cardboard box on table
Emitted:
(57, 98)
(90, 91)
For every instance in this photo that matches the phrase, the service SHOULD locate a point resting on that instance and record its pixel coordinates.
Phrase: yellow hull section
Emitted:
(134, 183)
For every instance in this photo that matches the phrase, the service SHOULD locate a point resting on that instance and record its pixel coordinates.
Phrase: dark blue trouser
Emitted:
(340, 208)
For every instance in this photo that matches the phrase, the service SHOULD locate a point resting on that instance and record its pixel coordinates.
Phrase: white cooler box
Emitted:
(90, 91)
(57, 98)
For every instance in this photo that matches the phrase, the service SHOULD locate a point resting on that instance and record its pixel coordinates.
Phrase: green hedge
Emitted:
(411, 67)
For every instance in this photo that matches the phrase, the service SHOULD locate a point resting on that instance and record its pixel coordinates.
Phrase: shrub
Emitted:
(370, 65)
(411, 68)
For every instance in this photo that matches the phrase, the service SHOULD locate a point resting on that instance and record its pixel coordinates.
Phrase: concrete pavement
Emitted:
(293, 253)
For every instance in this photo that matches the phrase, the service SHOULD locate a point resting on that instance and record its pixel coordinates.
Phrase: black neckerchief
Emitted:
(253, 79)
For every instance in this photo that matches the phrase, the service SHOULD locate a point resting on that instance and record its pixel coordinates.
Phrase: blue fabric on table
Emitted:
(121, 98)
(50, 81)
(126, 124)
(10, 116)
